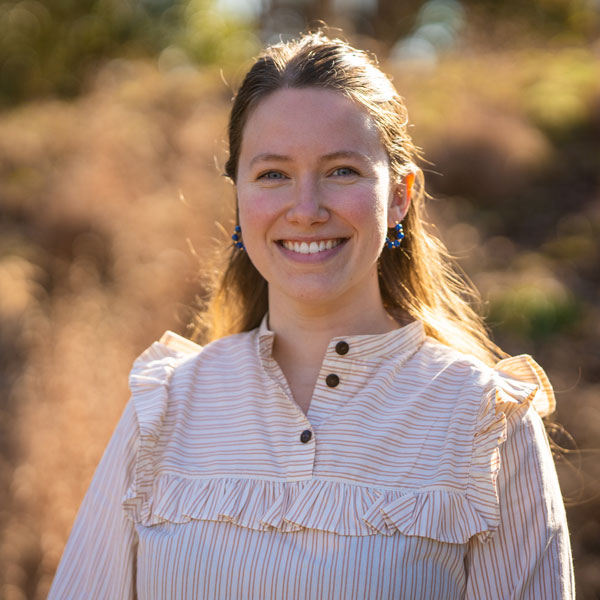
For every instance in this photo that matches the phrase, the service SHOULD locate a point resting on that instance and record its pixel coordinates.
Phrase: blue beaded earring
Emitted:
(237, 238)
(395, 243)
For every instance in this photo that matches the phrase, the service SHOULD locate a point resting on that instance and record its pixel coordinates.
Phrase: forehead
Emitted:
(312, 120)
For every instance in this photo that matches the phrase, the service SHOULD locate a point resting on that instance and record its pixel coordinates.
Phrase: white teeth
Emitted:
(312, 248)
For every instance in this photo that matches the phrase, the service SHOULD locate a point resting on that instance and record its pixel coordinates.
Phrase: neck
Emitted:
(303, 331)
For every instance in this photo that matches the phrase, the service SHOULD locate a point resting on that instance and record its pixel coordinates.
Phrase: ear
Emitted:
(400, 201)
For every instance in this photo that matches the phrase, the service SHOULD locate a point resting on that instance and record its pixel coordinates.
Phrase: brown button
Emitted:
(332, 380)
(305, 436)
(342, 348)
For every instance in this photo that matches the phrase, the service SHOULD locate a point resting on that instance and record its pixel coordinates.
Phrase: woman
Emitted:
(354, 438)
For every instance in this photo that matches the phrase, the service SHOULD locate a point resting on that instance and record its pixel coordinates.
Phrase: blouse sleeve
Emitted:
(529, 555)
(99, 558)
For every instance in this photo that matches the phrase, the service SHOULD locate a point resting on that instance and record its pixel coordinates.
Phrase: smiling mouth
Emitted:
(311, 247)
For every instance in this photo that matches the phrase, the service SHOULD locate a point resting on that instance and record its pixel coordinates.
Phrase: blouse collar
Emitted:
(405, 339)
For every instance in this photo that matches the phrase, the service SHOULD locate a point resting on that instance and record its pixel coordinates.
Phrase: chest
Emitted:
(364, 426)
(219, 560)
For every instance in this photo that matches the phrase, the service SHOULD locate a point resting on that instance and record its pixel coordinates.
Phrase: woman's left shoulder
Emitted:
(513, 380)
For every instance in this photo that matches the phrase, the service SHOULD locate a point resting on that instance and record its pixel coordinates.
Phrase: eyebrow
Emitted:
(267, 156)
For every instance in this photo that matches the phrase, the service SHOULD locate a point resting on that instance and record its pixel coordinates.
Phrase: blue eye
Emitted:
(344, 172)
(271, 175)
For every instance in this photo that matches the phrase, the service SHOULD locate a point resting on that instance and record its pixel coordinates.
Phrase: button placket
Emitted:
(333, 379)
(302, 451)
(327, 399)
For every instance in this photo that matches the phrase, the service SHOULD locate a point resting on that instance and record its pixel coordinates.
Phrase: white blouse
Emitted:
(418, 472)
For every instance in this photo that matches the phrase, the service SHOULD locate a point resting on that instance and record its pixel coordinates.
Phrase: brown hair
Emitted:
(419, 279)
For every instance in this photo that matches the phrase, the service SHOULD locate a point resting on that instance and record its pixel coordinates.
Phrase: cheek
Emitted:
(257, 215)
(252, 210)
(253, 224)
(370, 213)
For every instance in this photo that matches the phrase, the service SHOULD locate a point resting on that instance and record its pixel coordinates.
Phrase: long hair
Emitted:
(420, 278)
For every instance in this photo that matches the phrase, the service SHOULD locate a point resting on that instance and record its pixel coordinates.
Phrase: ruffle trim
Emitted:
(437, 512)
(521, 379)
(148, 382)
(517, 380)
(323, 505)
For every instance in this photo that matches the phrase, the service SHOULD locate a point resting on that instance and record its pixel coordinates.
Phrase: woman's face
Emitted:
(315, 197)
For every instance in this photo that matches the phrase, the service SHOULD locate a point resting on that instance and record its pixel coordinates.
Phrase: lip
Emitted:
(311, 258)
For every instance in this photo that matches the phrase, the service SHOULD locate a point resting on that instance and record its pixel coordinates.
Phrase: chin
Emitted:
(314, 295)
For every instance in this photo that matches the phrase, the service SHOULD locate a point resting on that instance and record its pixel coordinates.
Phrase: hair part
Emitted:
(420, 279)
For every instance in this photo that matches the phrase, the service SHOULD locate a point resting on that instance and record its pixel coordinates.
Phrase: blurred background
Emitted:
(112, 125)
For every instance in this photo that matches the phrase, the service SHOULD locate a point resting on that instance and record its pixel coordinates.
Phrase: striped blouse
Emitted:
(417, 473)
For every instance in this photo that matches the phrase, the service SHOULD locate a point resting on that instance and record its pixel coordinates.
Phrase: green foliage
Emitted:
(559, 98)
(208, 35)
(50, 48)
(534, 309)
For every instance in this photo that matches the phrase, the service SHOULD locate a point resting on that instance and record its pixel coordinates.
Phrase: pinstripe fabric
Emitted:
(428, 475)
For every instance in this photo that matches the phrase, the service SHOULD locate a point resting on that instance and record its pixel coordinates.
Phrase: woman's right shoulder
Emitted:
(164, 374)
(155, 366)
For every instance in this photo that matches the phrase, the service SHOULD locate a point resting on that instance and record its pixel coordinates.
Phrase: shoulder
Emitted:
(155, 365)
(517, 379)
(172, 350)
(450, 381)
(444, 361)
(171, 366)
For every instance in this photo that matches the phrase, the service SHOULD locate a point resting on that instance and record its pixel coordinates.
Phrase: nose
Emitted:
(307, 207)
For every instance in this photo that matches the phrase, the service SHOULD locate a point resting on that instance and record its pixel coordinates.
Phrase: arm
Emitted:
(529, 556)
(99, 558)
